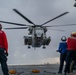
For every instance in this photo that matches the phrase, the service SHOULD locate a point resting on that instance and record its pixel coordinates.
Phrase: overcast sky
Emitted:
(38, 11)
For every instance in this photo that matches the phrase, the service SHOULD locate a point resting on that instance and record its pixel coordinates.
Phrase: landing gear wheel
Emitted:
(44, 47)
(29, 47)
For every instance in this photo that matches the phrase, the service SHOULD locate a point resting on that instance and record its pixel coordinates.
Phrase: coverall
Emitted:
(71, 54)
(63, 51)
(3, 50)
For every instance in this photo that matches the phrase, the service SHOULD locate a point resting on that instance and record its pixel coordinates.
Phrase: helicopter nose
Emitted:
(38, 39)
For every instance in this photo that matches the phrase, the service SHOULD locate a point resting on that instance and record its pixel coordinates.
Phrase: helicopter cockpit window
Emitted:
(39, 32)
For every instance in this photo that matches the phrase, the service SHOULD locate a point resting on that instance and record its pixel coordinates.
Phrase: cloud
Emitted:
(38, 11)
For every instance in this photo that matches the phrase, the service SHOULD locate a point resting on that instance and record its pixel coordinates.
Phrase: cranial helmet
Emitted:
(73, 34)
(63, 38)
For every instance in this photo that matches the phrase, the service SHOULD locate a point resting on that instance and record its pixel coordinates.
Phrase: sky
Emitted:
(38, 11)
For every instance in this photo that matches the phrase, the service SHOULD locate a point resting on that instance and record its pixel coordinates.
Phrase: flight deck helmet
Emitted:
(73, 34)
(63, 38)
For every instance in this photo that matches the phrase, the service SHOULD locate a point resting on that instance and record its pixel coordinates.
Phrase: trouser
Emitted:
(62, 59)
(71, 55)
(3, 61)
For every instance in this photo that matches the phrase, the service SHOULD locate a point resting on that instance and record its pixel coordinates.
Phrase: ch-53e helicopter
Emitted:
(38, 36)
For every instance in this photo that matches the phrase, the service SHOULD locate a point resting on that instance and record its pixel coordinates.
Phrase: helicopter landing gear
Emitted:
(44, 47)
(29, 46)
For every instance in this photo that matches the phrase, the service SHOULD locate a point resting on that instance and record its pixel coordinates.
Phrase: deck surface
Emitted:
(50, 69)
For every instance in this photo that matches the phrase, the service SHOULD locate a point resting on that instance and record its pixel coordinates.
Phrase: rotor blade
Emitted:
(57, 30)
(17, 28)
(61, 25)
(23, 16)
(55, 18)
(14, 23)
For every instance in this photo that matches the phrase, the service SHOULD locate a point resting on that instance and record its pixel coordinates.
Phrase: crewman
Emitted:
(62, 49)
(71, 52)
(3, 51)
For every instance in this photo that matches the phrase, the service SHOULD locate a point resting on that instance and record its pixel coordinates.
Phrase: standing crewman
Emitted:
(3, 51)
(71, 52)
(62, 49)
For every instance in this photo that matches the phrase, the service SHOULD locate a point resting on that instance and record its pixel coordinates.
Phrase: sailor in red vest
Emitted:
(71, 53)
(3, 51)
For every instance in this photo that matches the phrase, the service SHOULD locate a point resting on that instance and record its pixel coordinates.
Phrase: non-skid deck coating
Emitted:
(50, 69)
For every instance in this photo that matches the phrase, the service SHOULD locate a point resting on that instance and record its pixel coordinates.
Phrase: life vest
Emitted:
(3, 40)
(71, 43)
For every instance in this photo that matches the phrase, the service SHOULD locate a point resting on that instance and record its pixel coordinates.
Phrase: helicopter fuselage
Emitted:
(38, 37)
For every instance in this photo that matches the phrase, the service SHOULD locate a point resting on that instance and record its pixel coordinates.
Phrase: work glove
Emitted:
(57, 50)
(6, 54)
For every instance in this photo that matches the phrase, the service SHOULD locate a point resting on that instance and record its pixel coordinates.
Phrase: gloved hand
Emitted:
(57, 50)
(6, 54)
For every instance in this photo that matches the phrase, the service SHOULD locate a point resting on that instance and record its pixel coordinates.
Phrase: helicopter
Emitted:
(37, 33)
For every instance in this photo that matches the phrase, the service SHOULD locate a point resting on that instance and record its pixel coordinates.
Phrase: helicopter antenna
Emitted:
(55, 18)
(23, 16)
